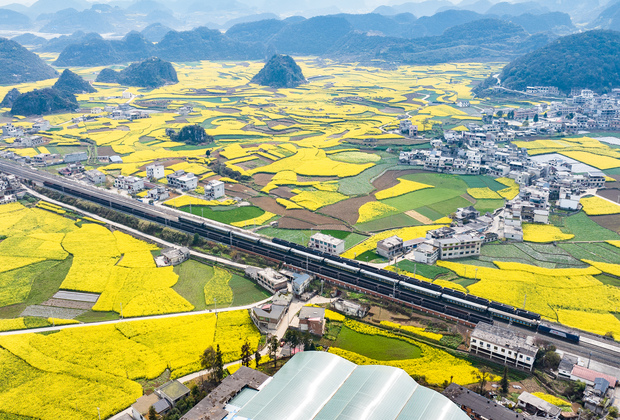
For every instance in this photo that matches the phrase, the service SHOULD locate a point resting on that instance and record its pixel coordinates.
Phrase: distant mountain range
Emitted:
(446, 36)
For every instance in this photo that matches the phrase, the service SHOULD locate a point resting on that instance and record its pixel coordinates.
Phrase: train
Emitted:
(422, 294)
(404, 288)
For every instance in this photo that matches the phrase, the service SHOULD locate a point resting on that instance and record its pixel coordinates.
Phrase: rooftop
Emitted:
(392, 241)
(505, 338)
(315, 385)
(326, 238)
(479, 404)
(173, 390)
(539, 403)
(212, 406)
(591, 375)
(307, 312)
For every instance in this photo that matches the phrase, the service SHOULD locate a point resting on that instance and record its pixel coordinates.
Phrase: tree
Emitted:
(208, 362)
(208, 153)
(306, 340)
(257, 357)
(511, 115)
(219, 366)
(274, 345)
(500, 113)
(613, 413)
(246, 354)
(482, 376)
(504, 382)
(575, 389)
(292, 339)
(545, 115)
(535, 117)
(152, 413)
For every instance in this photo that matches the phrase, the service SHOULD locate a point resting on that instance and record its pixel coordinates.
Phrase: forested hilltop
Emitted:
(586, 60)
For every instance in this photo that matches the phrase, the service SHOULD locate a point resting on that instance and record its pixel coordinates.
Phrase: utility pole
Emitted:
(121, 310)
(99, 413)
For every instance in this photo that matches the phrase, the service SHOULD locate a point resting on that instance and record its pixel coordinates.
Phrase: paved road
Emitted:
(125, 320)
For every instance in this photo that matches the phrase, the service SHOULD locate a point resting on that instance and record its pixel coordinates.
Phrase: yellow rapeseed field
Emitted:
(594, 206)
(568, 295)
(374, 210)
(483, 193)
(46, 377)
(404, 186)
(544, 233)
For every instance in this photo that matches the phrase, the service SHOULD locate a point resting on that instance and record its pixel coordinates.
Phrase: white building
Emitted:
(155, 171)
(182, 180)
(326, 243)
(214, 190)
(426, 253)
(459, 246)
(41, 125)
(95, 176)
(390, 247)
(503, 345)
(268, 278)
(9, 130)
(131, 184)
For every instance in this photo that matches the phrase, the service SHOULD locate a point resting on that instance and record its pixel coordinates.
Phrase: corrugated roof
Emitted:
(591, 375)
(323, 386)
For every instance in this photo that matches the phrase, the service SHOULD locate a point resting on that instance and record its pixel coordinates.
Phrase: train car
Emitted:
(307, 255)
(475, 318)
(278, 247)
(559, 333)
(509, 317)
(458, 313)
(455, 293)
(379, 277)
(282, 242)
(503, 308)
(429, 304)
(244, 236)
(528, 314)
(464, 303)
(341, 266)
(419, 290)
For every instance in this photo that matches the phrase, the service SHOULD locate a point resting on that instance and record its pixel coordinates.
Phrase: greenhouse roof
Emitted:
(320, 385)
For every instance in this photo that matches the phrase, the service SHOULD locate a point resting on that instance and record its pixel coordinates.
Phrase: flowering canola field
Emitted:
(67, 375)
(258, 131)
(571, 296)
(435, 365)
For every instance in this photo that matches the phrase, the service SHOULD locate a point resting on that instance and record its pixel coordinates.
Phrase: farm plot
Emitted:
(553, 293)
(386, 348)
(44, 377)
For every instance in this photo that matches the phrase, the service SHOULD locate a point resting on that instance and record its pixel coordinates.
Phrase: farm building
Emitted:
(326, 243)
(312, 319)
(155, 171)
